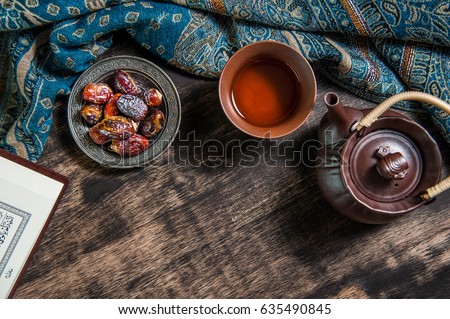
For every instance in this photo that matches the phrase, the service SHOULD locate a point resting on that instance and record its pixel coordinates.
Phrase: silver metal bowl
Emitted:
(146, 74)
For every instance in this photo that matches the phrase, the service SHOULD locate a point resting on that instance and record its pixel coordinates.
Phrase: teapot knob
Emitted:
(391, 165)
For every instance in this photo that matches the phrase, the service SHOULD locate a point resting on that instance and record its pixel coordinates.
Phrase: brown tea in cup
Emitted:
(267, 89)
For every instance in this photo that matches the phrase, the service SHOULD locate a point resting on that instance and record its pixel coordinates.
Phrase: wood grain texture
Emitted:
(233, 223)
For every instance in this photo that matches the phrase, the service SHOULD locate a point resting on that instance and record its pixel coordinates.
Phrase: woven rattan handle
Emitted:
(412, 96)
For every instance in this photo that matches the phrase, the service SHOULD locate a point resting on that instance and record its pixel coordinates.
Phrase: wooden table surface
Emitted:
(189, 226)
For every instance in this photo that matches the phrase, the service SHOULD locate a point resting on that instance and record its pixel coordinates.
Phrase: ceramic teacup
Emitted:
(267, 89)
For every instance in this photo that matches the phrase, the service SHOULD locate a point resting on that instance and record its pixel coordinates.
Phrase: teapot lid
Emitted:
(389, 164)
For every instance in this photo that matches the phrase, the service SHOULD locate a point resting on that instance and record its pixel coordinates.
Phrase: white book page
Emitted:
(26, 201)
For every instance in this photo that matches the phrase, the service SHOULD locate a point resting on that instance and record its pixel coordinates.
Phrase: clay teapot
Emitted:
(377, 165)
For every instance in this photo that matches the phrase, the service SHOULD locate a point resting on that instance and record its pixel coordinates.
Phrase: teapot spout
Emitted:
(339, 119)
(335, 107)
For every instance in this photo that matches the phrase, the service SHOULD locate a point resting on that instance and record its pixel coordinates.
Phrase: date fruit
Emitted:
(152, 124)
(117, 127)
(133, 145)
(92, 113)
(124, 83)
(97, 93)
(123, 117)
(132, 106)
(153, 98)
(111, 107)
(97, 136)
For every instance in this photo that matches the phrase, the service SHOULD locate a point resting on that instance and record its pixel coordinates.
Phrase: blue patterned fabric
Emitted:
(374, 48)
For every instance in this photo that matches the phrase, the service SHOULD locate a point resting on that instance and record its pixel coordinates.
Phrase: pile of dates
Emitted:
(125, 117)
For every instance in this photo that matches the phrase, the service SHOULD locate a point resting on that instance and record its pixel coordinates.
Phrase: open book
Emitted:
(29, 195)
